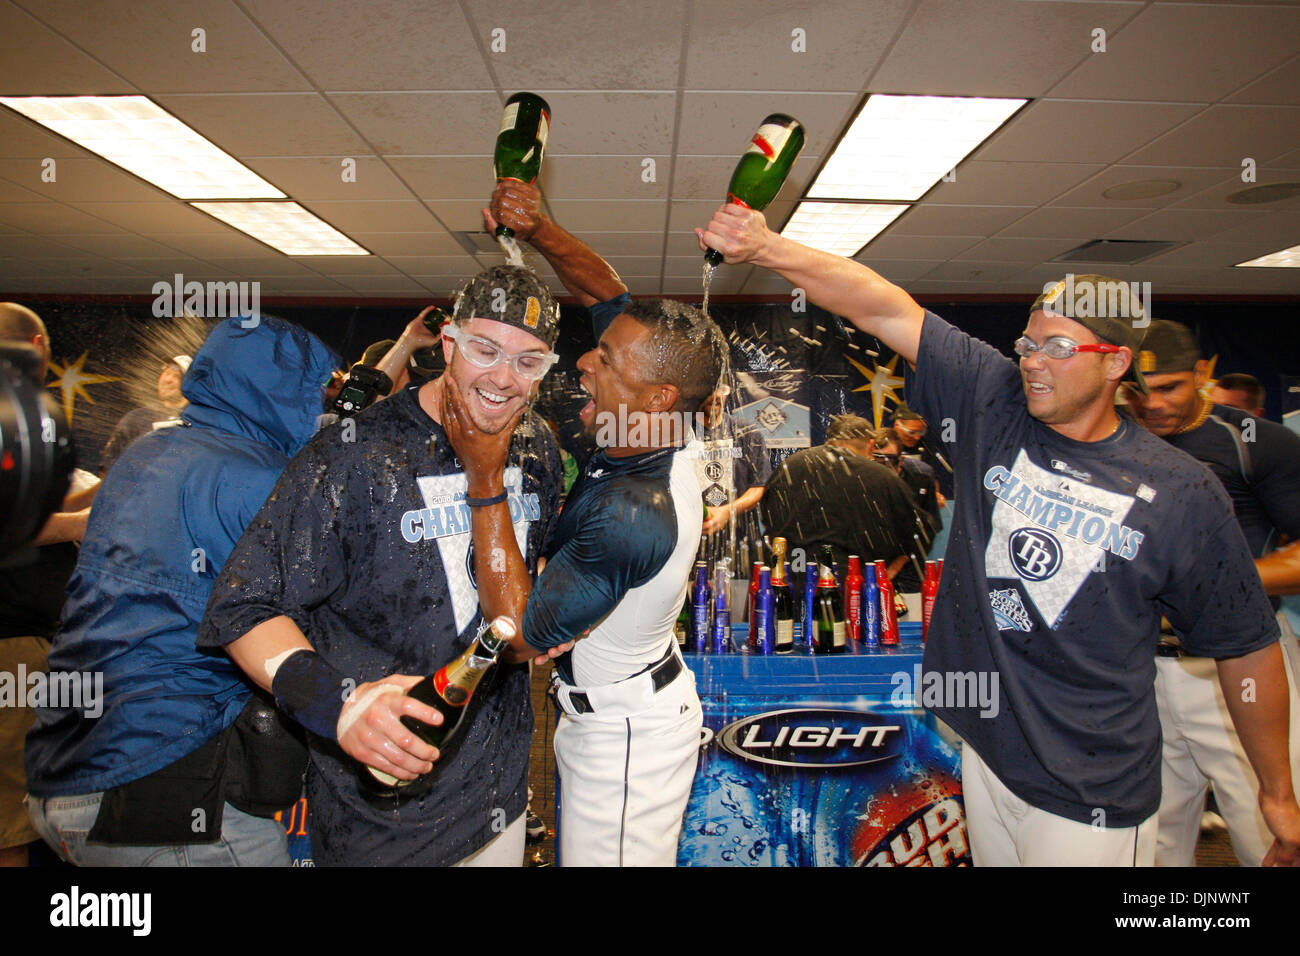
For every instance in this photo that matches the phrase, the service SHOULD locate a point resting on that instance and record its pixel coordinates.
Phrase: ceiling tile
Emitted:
(350, 217)
(722, 124)
(425, 124)
(336, 266)
(629, 215)
(934, 219)
(641, 44)
(1277, 87)
(53, 219)
(971, 270)
(152, 45)
(149, 218)
(1061, 131)
(1010, 183)
(917, 247)
(12, 192)
(228, 244)
(1225, 136)
(30, 48)
(1011, 249)
(27, 248)
(1176, 52)
(1281, 230)
(1187, 224)
(1060, 222)
(375, 44)
(121, 246)
(625, 243)
(736, 45)
(427, 266)
(1205, 255)
(606, 177)
(608, 123)
(446, 177)
(80, 179)
(268, 124)
(322, 178)
(24, 139)
(1089, 194)
(993, 47)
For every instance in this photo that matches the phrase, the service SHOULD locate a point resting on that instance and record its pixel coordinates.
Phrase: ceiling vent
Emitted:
(1115, 251)
(1270, 192)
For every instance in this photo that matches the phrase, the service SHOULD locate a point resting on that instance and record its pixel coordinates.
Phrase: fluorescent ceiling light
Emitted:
(1285, 259)
(285, 226)
(841, 228)
(144, 139)
(900, 146)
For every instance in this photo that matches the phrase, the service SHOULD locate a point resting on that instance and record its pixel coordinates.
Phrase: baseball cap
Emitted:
(1168, 347)
(182, 362)
(515, 295)
(1109, 308)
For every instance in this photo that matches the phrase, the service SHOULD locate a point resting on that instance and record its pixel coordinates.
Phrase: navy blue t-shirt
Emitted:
(365, 543)
(1062, 558)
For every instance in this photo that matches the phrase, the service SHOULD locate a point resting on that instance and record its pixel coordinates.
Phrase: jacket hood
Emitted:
(264, 382)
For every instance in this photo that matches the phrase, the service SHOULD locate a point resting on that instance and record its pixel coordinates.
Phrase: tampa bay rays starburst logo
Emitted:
(882, 383)
(71, 379)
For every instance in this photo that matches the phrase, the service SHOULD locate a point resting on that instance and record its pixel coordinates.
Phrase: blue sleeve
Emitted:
(603, 313)
(618, 545)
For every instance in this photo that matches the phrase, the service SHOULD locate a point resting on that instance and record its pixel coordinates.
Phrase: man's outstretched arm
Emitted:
(584, 273)
(838, 285)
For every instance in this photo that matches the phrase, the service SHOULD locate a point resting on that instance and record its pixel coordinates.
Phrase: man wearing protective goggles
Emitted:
(1074, 530)
(359, 577)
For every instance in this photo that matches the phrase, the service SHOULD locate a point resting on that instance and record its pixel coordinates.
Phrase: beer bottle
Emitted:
(450, 689)
(929, 591)
(525, 125)
(764, 613)
(763, 167)
(888, 613)
(830, 610)
(853, 598)
(700, 599)
(870, 607)
(752, 634)
(782, 603)
(721, 612)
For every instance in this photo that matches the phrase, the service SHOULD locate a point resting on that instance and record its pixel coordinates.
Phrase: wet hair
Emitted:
(686, 349)
(904, 414)
(885, 437)
(850, 428)
(1241, 382)
(375, 351)
(515, 295)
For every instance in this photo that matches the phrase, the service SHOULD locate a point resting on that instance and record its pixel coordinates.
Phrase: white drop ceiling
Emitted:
(412, 90)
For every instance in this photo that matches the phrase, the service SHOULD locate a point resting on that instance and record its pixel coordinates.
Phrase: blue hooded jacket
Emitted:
(163, 524)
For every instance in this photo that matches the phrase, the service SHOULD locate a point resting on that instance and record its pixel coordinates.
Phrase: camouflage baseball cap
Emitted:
(1110, 308)
(515, 295)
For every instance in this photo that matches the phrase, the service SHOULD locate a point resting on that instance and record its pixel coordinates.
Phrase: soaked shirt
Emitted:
(365, 543)
(1063, 556)
(1261, 475)
(623, 551)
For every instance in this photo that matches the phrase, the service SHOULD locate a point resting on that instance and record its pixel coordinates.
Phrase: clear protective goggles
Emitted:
(487, 354)
(1058, 347)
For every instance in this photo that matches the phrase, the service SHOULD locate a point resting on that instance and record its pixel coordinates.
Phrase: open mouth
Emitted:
(1037, 388)
(491, 400)
(590, 407)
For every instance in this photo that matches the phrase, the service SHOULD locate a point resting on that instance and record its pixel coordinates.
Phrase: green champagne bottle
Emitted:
(521, 141)
(829, 609)
(449, 690)
(762, 169)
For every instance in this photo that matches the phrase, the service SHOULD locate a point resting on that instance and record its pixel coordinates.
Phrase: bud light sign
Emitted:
(812, 738)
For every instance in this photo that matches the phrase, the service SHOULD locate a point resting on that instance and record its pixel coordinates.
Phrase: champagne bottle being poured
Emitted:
(763, 168)
(521, 141)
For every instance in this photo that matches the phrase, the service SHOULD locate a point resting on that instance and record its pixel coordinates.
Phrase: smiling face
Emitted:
(491, 395)
(1060, 392)
(612, 374)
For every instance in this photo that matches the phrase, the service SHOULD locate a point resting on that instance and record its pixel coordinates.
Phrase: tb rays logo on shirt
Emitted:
(445, 518)
(1068, 529)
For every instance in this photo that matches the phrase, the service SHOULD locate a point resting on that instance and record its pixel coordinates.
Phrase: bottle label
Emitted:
(508, 118)
(784, 633)
(769, 141)
(543, 130)
(837, 634)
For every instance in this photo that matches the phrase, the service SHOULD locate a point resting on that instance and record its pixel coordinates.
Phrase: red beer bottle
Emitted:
(888, 613)
(929, 591)
(853, 582)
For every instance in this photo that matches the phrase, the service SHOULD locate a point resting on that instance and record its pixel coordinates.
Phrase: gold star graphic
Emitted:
(881, 383)
(71, 380)
(1210, 380)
